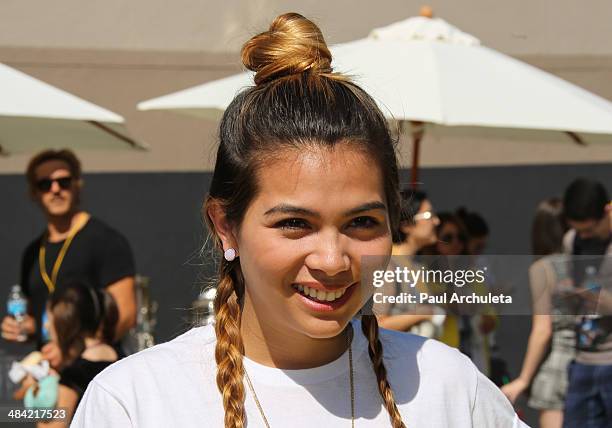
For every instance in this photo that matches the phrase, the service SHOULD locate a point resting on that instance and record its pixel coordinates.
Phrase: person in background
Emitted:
(81, 323)
(418, 223)
(75, 246)
(477, 231)
(552, 340)
(588, 213)
(463, 328)
(479, 330)
(451, 236)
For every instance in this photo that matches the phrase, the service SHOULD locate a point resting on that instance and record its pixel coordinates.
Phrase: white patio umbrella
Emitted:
(425, 71)
(35, 115)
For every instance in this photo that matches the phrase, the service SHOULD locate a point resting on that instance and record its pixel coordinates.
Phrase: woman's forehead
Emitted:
(331, 175)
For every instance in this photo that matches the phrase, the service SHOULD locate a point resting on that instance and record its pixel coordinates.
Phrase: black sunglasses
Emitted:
(45, 184)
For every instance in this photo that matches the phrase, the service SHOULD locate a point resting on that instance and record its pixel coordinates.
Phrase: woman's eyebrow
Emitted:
(368, 206)
(292, 209)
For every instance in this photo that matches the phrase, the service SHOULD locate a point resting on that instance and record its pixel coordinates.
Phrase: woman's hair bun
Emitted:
(293, 44)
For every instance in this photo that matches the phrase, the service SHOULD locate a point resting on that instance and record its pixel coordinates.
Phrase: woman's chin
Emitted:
(323, 329)
(319, 326)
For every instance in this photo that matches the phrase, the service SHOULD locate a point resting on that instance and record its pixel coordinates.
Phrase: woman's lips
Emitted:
(321, 300)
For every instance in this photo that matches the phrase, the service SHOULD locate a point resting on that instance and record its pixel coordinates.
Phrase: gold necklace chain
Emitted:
(349, 338)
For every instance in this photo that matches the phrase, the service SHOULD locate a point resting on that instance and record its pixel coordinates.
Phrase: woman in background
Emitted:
(444, 254)
(551, 345)
(477, 231)
(417, 229)
(451, 237)
(461, 329)
(81, 321)
(480, 333)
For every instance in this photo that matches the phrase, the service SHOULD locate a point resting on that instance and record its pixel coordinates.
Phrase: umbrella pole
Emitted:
(417, 127)
(417, 134)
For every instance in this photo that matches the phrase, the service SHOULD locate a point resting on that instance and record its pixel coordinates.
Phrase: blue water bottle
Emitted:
(16, 306)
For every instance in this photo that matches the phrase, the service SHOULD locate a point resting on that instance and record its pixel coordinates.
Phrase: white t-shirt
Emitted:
(173, 385)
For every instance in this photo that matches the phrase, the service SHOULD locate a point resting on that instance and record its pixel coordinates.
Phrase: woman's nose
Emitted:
(329, 254)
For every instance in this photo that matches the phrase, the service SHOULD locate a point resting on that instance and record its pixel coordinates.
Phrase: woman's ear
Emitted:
(223, 228)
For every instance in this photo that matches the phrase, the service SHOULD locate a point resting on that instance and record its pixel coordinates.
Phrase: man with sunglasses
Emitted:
(74, 246)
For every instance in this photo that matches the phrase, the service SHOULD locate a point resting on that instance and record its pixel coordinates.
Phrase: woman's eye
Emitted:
(292, 224)
(364, 222)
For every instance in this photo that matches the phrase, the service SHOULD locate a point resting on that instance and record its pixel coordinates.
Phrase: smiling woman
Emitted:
(305, 184)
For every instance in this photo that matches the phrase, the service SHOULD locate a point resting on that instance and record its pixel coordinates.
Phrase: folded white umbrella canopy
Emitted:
(35, 115)
(425, 71)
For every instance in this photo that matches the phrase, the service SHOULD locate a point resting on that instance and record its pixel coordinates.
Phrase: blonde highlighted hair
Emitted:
(297, 101)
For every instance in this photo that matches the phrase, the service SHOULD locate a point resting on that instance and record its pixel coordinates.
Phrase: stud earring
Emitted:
(229, 254)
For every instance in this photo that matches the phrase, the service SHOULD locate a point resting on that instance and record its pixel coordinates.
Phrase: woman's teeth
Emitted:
(323, 296)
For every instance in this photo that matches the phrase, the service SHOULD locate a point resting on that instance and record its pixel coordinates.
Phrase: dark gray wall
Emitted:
(160, 215)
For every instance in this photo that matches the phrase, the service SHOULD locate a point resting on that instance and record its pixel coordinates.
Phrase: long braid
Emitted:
(229, 349)
(369, 326)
